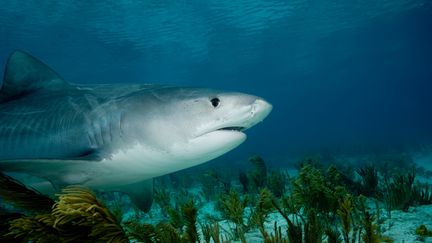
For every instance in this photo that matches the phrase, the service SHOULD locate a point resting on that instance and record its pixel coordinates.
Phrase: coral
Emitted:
(77, 216)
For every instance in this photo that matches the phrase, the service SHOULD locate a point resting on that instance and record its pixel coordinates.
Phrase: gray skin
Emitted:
(113, 137)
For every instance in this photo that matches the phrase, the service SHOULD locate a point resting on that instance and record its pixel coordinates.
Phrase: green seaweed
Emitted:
(398, 192)
(371, 234)
(77, 216)
(190, 213)
(333, 235)
(312, 190)
(232, 208)
(294, 230)
(262, 208)
(140, 232)
(344, 212)
(313, 229)
(276, 182)
(258, 175)
(161, 197)
(423, 231)
(276, 236)
(369, 183)
(175, 218)
(17, 194)
(422, 193)
(244, 181)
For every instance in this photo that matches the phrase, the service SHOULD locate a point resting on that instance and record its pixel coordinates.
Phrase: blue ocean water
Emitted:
(341, 75)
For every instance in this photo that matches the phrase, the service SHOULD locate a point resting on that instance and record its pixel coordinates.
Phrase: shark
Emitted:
(113, 137)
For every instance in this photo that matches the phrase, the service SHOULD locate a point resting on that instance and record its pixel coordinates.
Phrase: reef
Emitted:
(321, 203)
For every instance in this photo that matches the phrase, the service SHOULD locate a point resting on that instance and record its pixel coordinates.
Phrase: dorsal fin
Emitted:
(25, 75)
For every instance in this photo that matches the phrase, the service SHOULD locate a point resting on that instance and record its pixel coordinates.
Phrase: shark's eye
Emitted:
(215, 102)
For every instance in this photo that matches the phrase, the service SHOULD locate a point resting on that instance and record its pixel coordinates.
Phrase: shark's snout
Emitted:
(261, 109)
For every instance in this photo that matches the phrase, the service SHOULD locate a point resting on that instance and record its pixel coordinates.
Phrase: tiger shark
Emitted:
(114, 137)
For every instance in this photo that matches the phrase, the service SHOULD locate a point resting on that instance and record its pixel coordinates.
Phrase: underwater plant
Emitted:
(312, 190)
(422, 231)
(398, 191)
(244, 181)
(212, 231)
(116, 207)
(313, 229)
(258, 175)
(422, 193)
(276, 236)
(333, 235)
(276, 182)
(167, 232)
(161, 197)
(140, 232)
(369, 183)
(344, 212)
(212, 185)
(232, 207)
(175, 218)
(371, 234)
(262, 208)
(77, 216)
(17, 194)
(286, 206)
(190, 213)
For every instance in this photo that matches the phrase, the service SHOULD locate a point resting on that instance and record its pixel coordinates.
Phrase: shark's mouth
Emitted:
(238, 129)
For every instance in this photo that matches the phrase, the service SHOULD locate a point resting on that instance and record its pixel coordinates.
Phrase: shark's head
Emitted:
(187, 126)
